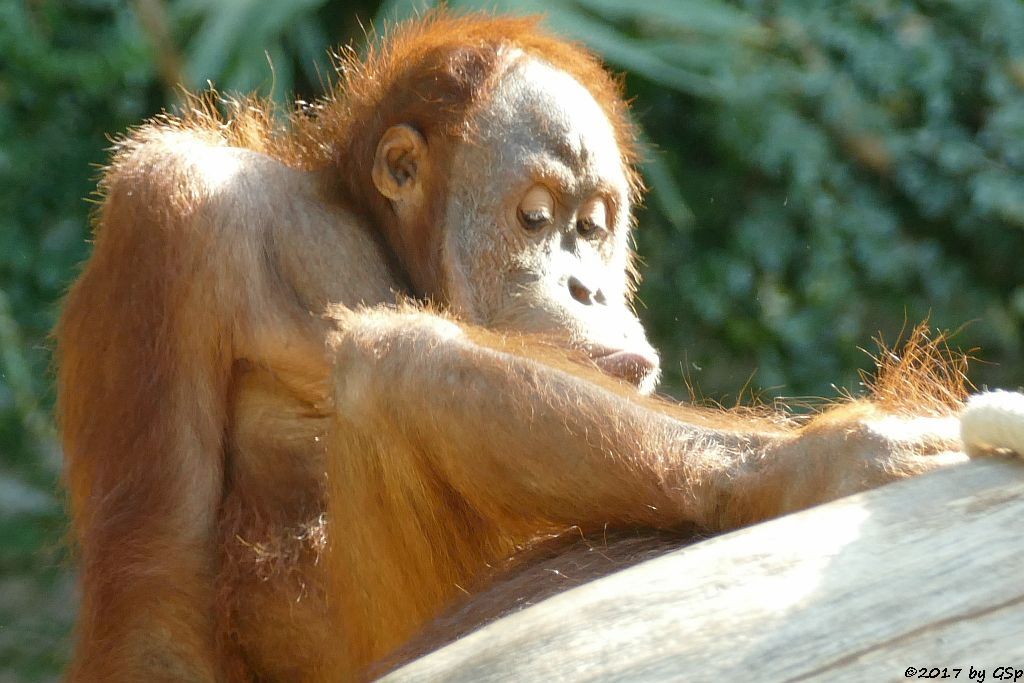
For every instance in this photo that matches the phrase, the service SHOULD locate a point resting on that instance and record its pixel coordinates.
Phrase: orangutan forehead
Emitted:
(537, 110)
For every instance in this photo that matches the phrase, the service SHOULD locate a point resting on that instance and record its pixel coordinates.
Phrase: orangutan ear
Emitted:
(401, 171)
(400, 164)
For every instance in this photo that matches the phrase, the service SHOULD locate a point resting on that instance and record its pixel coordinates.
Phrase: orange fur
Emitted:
(275, 472)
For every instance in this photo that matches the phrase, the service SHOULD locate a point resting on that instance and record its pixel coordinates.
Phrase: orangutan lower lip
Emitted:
(631, 366)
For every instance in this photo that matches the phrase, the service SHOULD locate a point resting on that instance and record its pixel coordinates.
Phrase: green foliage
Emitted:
(246, 45)
(278, 49)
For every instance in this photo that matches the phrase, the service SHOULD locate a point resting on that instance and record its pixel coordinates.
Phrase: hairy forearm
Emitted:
(509, 431)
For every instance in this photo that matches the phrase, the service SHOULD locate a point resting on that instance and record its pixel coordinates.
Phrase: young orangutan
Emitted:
(282, 462)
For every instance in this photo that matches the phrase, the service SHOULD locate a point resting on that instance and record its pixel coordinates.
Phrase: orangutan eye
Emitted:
(586, 227)
(536, 209)
(592, 218)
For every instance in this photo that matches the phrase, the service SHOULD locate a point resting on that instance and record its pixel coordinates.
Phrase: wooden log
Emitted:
(923, 575)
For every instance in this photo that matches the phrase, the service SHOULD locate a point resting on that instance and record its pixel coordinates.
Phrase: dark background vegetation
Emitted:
(821, 172)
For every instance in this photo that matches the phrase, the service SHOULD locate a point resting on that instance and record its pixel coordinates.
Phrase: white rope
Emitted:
(993, 421)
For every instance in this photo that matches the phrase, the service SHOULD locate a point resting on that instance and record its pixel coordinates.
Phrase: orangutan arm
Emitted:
(535, 436)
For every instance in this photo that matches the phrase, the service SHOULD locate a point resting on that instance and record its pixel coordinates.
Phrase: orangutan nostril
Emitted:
(580, 292)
